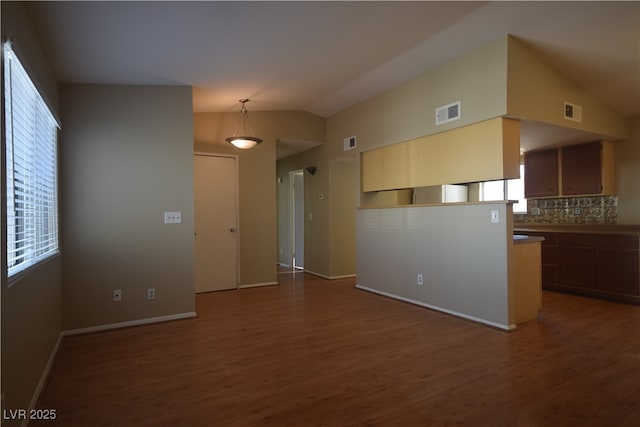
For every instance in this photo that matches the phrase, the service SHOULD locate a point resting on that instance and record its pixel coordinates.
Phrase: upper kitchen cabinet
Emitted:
(587, 169)
(482, 151)
(541, 173)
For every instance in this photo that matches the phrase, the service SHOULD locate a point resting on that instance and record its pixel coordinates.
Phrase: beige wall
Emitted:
(127, 157)
(330, 200)
(257, 170)
(31, 308)
(628, 175)
(283, 196)
(342, 202)
(407, 111)
(399, 114)
(536, 91)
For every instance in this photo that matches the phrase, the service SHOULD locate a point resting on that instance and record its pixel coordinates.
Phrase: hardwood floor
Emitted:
(312, 352)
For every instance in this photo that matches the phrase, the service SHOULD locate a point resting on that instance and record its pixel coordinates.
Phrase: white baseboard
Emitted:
(47, 369)
(43, 378)
(139, 322)
(345, 276)
(435, 307)
(257, 285)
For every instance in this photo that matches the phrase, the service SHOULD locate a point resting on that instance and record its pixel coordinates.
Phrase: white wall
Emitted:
(463, 256)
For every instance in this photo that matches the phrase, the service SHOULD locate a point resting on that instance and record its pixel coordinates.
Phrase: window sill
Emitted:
(20, 275)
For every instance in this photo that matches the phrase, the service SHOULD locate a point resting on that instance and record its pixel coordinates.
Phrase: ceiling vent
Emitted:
(349, 143)
(448, 113)
(573, 112)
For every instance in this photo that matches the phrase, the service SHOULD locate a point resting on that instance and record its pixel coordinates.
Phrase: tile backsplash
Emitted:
(571, 210)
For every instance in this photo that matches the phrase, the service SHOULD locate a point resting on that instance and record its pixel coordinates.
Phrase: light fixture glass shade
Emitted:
(243, 142)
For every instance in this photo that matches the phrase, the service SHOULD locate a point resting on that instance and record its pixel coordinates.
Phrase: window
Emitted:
(31, 165)
(515, 191)
(495, 190)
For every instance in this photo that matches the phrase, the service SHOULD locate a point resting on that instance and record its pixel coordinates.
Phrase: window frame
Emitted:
(505, 191)
(31, 198)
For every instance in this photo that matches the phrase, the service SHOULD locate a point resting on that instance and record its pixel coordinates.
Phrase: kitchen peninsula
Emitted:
(458, 258)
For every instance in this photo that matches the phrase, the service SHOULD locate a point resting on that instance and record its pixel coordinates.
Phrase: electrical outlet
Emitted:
(151, 294)
(173, 217)
(117, 295)
(420, 279)
(577, 210)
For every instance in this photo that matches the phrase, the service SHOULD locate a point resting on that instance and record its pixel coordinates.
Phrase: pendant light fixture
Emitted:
(244, 140)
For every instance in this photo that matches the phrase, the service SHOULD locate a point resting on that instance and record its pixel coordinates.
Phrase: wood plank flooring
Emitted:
(312, 352)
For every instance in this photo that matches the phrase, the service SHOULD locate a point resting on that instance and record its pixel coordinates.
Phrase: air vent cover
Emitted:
(349, 143)
(448, 113)
(573, 112)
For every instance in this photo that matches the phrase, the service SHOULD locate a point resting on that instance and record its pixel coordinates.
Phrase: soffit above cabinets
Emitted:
(536, 136)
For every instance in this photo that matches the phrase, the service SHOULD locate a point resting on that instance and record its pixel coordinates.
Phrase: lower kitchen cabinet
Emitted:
(575, 260)
(617, 270)
(592, 264)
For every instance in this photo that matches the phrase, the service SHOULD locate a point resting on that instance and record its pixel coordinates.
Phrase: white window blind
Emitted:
(31, 164)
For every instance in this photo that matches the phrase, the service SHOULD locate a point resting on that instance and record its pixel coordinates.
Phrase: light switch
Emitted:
(495, 216)
(173, 217)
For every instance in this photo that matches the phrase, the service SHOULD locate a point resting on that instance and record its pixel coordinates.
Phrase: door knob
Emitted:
(232, 229)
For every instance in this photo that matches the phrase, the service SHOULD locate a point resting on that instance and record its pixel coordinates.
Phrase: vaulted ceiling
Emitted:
(323, 57)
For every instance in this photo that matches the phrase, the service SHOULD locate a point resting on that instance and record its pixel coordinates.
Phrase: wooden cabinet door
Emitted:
(549, 257)
(372, 170)
(541, 173)
(618, 264)
(575, 267)
(617, 271)
(582, 169)
(575, 257)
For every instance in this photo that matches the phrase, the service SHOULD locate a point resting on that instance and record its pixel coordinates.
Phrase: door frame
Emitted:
(236, 159)
(292, 223)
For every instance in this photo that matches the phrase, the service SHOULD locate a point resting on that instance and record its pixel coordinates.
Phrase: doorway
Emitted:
(216, 222)
(296, 178)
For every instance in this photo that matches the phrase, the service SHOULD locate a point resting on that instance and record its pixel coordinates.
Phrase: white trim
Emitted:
(257, 285)
(138, 322)
(43, 378)
(54, 352)
(435, 307)
(344, 276)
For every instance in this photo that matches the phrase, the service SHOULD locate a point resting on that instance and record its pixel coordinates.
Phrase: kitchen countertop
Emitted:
(629, 230)
(521, 238)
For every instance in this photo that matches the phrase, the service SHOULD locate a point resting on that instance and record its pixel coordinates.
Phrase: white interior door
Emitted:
(215, 215)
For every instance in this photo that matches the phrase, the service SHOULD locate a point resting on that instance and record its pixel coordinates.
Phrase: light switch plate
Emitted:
(495, 216)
